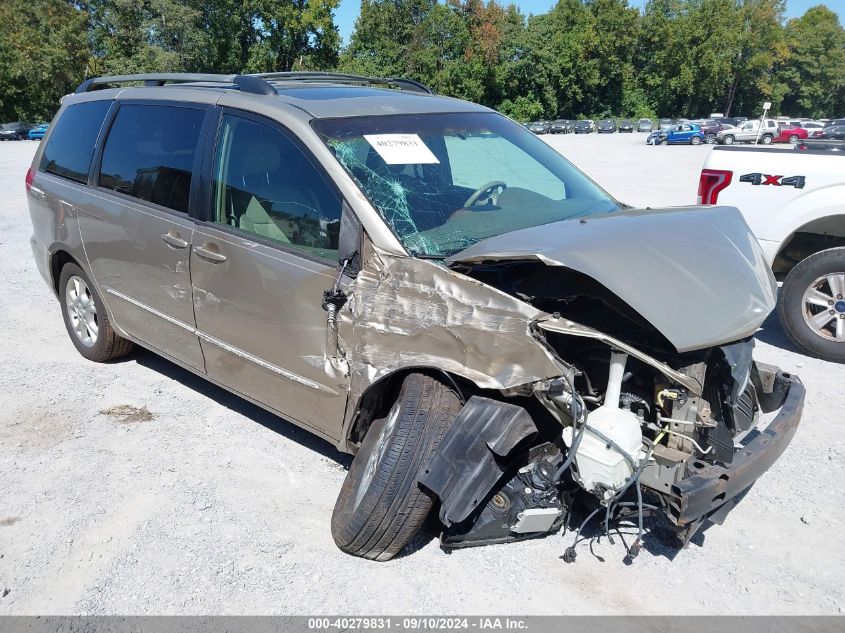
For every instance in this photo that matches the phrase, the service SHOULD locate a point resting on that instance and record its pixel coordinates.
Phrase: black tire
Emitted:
(695, 140)
(710, 139)
(791, 306)
(377, 515)
(794, 139)
(728, 139)
(766, 139)
(108, 345)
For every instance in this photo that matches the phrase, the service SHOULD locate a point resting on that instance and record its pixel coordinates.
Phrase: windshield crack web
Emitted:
(388, 194)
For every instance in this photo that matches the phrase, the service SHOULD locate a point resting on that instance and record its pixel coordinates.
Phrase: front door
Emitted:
(260, 264)
(136, 229)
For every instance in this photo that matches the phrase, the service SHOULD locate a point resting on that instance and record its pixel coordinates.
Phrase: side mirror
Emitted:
(349, 241)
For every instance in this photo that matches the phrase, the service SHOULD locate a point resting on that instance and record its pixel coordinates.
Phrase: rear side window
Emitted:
(71, 145)
(149, 153)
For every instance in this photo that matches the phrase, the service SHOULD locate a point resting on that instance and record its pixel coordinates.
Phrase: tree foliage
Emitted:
(582, 57)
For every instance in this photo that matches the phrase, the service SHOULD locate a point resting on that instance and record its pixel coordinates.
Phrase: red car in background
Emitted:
(790, 134)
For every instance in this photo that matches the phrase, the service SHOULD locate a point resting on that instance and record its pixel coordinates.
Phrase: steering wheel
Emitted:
(485, 191)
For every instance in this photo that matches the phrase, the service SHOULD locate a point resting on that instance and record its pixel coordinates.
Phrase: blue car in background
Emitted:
(681, 134)
(38, 132)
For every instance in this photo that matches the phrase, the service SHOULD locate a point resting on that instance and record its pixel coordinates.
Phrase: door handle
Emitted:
(173, 239)
(209, 252)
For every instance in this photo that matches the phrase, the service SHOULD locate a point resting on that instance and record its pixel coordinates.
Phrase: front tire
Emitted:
(381, 505)
(794, 139)
(85, 318)
(812, 305)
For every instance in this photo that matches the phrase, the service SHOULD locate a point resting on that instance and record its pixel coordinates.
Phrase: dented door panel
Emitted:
(139, 256)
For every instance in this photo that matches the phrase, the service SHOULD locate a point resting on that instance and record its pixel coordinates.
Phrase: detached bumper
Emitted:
(711, 487)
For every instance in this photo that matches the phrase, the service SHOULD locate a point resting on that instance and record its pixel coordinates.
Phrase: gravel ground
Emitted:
(207, 505)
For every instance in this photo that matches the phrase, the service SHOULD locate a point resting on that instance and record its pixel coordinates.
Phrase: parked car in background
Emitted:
(834, 132)
(584, 126)
(539, 127)
(818, 145)
(606, 126)
(645, 125)
(664, 124)
(681, 134)
(750, 132)
(626, 125)
(38, 132)
(16, 131)
(832, 122)
(711, 129)
(561, 126)
(790, 134)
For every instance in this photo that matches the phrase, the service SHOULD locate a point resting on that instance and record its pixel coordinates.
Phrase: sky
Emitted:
(348, 10)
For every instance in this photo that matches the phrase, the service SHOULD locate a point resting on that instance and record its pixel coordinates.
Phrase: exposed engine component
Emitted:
(611, 447)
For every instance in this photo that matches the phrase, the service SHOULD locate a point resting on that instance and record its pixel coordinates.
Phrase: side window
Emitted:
(149, 153)
(71, 146)
(265, 185)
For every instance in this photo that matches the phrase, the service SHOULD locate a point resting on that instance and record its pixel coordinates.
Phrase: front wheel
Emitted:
(381, 505)
(812, 305)
(85, 318)
(728, 140)
(794, 139)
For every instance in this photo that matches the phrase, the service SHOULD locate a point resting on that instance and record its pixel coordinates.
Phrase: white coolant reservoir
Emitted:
(596, 460)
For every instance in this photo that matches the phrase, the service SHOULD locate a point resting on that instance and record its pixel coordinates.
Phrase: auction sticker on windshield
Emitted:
(401, 149)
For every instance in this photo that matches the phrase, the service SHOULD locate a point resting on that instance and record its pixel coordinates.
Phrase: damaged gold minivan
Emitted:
(425, 284)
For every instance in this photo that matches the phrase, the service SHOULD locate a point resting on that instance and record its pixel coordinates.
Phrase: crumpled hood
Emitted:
(697, 274)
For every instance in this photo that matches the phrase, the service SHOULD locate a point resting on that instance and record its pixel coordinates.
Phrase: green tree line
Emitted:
(583, 57)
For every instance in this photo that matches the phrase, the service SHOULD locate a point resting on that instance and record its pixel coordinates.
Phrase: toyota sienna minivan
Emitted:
(425, 284)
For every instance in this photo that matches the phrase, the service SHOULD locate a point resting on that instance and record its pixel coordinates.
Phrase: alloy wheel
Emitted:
(824, 307)
(81, 311)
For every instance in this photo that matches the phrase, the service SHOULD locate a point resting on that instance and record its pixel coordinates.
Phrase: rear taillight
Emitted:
(712, 182)
(29, 177)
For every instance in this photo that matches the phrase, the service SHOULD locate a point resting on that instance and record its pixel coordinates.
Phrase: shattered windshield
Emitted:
(443, 182)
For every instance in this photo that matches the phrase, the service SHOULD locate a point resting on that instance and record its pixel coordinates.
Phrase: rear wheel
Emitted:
(695, 140)
(381, 506)
(728, 140)
(710, 139)
(767, 139)
(812, 305)
(85, 318)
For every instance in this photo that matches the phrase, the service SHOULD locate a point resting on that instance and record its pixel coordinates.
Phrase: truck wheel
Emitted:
(381, 505)
(767, 139)
(812, 305)
(85, 318)
(728, 140)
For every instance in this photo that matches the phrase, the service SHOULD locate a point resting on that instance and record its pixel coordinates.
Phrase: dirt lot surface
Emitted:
(137, 488)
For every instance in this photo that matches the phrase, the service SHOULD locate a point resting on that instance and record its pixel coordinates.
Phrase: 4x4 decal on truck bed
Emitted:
(778, 181)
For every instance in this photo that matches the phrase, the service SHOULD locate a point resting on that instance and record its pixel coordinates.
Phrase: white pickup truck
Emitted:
(794, 201)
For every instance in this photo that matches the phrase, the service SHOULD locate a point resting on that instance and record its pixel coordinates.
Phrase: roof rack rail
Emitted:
(341, 78)
(245, 83)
